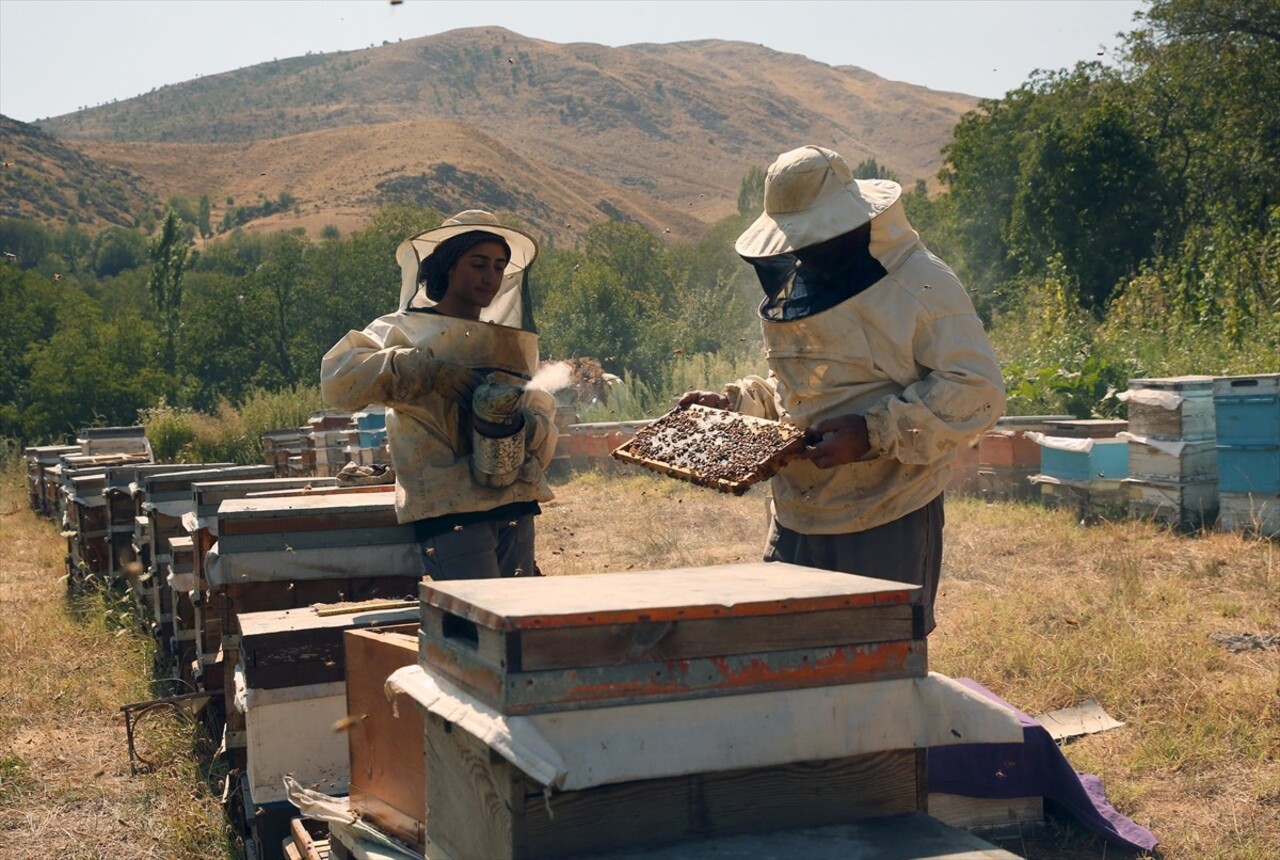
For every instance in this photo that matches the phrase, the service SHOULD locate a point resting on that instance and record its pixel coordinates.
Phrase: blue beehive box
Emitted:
(370, 420)
(1247, 409)
(1105, 459)
(372, 438)
(1249, 469)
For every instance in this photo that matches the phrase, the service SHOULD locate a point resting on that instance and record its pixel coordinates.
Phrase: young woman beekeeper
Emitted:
(469, 443)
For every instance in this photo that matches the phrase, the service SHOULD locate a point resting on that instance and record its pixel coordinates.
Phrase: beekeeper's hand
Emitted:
(418, 373)
(703, 398)
(843, 439)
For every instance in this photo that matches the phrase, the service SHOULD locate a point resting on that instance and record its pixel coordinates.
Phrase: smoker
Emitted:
(497, 430)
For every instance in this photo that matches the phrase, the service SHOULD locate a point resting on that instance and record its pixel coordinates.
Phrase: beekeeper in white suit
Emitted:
(873, 343)
(469, 443)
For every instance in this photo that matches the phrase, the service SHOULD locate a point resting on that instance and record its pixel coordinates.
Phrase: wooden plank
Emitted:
(386, 742)
(913, 836)
(473, 795)
(560, 689)
(480, 806)
(974, 812)
(617, 644)
(756, 800)
(720, 591)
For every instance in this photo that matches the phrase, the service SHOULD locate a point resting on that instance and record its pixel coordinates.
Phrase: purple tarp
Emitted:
(1034, 768)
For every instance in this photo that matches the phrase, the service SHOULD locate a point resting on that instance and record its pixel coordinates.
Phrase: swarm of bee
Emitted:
(713, 447)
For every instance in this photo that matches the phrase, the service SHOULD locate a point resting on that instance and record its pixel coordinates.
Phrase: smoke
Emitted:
(552, 377)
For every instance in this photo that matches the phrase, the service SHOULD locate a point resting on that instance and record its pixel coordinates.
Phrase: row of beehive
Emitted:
(1193, 449)
(330, 440)
(254, 583)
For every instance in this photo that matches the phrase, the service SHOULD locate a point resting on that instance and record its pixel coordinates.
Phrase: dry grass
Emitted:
(66, 667)
(1041, 610)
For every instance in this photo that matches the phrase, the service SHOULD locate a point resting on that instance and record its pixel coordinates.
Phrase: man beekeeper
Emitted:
(873, 343)
(469, 443)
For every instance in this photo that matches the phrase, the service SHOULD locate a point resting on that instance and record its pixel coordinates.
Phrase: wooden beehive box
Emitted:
(479, 805)
(292, 672)
(201, 523)
(1173, 407)
(559, 643)
(290, 551)
(713, 448)
(385, 740)
(114, 440)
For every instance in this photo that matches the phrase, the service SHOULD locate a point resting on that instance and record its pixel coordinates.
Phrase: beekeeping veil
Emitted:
(511, 307)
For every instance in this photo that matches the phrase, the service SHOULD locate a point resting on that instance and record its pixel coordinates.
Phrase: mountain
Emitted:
(44, 179)
(556, 135)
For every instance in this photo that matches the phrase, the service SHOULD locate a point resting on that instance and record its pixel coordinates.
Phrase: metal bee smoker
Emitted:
(497, 431)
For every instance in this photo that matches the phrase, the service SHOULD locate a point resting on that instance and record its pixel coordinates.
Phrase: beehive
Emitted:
(713, 447)
(560, 643)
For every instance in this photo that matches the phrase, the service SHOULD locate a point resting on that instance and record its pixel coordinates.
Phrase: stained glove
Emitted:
(497, 409)
(418, 373)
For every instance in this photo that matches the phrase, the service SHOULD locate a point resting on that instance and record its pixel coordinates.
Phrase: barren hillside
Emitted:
(556, 134)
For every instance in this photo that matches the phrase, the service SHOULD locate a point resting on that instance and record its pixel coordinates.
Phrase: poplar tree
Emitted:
(168, 265)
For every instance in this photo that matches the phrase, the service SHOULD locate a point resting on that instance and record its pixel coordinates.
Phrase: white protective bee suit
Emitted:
(905, 350)
(429, 434)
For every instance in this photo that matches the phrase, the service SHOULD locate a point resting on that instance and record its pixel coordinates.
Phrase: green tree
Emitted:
(751, 192)
(29, 305)
(1091, 194)
(204, 216)
(117, 249)
(90, 370)
(168, 265)
(871, 169)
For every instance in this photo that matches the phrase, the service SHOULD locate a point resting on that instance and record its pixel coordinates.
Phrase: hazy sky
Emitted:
(57, 56)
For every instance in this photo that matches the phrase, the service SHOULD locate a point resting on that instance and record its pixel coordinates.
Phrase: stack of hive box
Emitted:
(291, 551)
(114, 440)
(86, 521)
(290, 689)
(326, 442)
(123, 496)
(282, 450)
(570, 716)
(1173, 464)
(1007, 458)
(161, 499)
(38, 459)
(367, 437)
(580, 447)
(1082, 465)
(201, 524)
(81, 509)
(1247, 421)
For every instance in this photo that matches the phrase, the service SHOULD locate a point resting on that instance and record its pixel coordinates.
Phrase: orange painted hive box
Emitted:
(713, 448)
(559, 643)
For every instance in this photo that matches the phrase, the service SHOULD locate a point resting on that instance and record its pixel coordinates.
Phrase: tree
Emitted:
(203, 218)
(870, 169)
(168, 265)
(116, 249)
(751, 192)
(1091, 194)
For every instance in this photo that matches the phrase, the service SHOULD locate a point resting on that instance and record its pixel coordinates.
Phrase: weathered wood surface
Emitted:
(386, 741)
(481, 806)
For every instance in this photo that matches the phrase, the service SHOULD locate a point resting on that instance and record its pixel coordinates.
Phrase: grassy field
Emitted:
(1043, 611)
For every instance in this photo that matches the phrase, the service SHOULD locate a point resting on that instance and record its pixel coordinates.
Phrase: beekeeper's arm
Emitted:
(961, 396)
(378, 365)
(751, 395)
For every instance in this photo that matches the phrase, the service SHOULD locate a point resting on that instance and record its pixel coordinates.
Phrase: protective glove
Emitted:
(418, 373)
